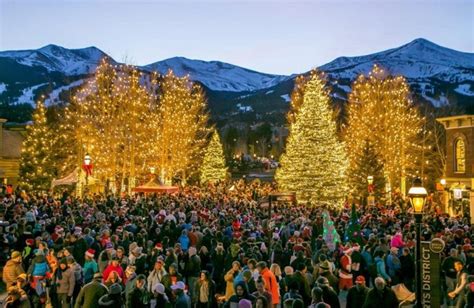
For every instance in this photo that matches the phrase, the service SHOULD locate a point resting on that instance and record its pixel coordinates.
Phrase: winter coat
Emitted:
(271, 285)
(197, 292)
(114, 301)
(89, 269)
(11, 270)
(110, 269)
(330, 297)
(229, 279)
(183, 301)
(135, 299)
(385, 298)
(90, 294)
(356, 297)
(381, 269)
(65, 284)
(155, 277)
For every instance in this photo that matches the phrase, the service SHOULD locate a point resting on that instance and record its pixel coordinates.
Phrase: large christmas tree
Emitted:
(314, 163)
(213, 167)
(380, 110)
(37, 167)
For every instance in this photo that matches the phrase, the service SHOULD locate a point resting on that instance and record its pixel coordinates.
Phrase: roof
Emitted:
(458, 121)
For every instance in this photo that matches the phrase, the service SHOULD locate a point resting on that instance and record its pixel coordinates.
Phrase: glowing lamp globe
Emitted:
(370, 179)
(417, 195)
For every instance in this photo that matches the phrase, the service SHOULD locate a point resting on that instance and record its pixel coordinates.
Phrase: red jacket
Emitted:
(109, 269)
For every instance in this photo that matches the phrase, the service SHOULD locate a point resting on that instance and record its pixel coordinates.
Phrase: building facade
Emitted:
(11, 139)
(458, 183)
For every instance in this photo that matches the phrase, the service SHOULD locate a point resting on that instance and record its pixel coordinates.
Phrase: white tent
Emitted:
(72, 178)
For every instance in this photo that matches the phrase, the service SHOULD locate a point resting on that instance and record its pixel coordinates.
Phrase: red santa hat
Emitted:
(90, 253)
(30, 242)
(59, 229)
(159, 246)
(356, 247)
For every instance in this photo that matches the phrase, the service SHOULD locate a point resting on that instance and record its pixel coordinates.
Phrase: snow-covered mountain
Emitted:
(418, 59)
(217, 76)
(437, 76)
(70, 62)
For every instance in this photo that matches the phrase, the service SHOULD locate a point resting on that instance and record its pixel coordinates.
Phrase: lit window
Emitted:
(460, 156)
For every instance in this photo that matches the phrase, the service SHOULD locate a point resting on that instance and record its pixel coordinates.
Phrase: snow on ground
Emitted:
(441, 101)
(269, 92)
(345, 88)
(54, 95)
(28, 95)
(3, 87)
(464, 89)
(286, 97)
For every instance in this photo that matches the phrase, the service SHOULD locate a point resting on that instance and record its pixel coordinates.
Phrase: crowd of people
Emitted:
(217, 246)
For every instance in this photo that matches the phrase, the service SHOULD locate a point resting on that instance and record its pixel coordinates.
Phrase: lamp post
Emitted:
(417, 195)
(87, 165)
(370, 190)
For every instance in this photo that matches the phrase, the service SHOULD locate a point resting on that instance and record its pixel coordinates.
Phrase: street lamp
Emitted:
(87, 167)
(370, 190)
(417, 195)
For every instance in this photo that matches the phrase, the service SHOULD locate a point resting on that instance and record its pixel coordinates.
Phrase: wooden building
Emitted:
(11, 139)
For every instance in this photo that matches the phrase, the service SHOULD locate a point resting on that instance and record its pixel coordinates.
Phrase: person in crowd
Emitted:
(329, 295)
(461, 281)
(158, 297)
(229, 279)
(90, 266)
(357, 294)
(12, 269)
(270, 283)
(90, 294)
(114, 298)
(64, 281)
(182, 299)
(380, 296)
(241, 293)
(156, 275)
(138, 296)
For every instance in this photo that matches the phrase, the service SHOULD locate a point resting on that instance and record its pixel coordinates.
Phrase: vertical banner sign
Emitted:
(430, 273)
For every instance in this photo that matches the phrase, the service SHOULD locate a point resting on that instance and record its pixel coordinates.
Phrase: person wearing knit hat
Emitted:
(159, 297)
(245, 303)
(90, 266)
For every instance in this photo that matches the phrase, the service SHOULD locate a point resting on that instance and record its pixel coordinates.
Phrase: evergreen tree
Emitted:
(367, 163)
(314, 163)
(353, 228)
(213, 167)
(37, 166)
(380, 109)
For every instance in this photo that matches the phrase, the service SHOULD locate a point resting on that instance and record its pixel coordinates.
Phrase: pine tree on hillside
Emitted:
(314, 164)
(367, 163)
(37, 166)
(213, 167)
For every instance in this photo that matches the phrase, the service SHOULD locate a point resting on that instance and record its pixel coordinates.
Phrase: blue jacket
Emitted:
(89, 269)
(381, 268)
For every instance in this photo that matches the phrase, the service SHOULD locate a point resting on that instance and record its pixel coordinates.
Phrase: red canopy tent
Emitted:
(153, 187)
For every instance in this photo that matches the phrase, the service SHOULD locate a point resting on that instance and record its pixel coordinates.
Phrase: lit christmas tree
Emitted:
(380, 110)
(353, 228)
(367, 163)
(330, 235)
(314, 163)
(37, 166)
(213, 167)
